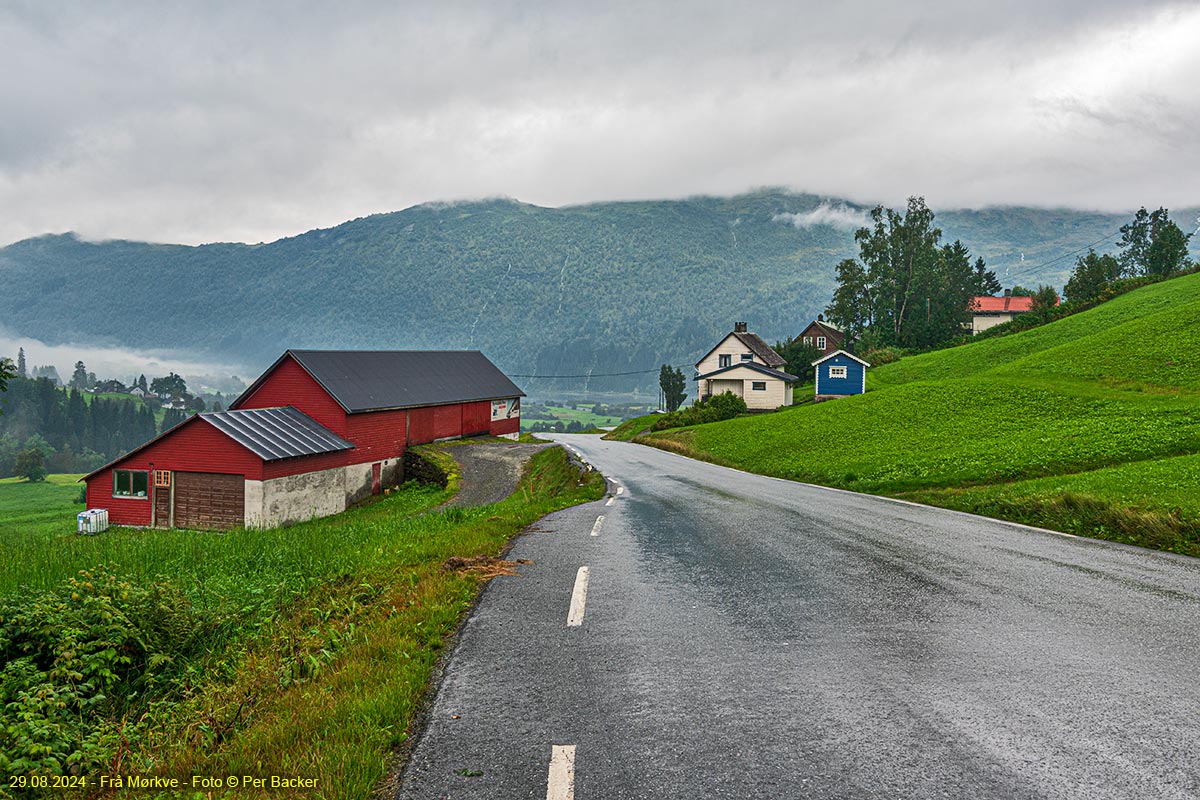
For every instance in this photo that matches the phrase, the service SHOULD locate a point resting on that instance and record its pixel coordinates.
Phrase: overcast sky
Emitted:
(200, 122)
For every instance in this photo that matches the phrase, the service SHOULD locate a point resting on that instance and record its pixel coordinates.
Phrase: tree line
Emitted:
(60, 431)
(908, 289)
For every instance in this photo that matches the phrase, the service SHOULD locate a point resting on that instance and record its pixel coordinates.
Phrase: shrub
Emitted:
(716, 408)
(71, 659)
(883, 355)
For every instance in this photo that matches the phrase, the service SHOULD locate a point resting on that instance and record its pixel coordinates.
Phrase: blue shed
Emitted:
(840, 374)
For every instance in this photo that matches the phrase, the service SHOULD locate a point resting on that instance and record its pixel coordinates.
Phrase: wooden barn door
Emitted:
(162, 498)
(209, 501)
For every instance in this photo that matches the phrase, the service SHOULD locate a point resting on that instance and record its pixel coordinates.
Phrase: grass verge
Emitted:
(308, 665)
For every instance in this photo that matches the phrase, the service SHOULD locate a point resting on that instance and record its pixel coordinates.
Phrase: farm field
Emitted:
(1081, 425)
(39, 509)
(240, 649)
(583, 414)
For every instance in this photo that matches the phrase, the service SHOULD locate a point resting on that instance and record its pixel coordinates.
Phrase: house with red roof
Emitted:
(988, 312)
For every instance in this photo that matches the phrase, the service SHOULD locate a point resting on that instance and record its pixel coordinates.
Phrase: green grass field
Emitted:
(37, 509)
(1101, 409)
(243, 648)
(583, 415)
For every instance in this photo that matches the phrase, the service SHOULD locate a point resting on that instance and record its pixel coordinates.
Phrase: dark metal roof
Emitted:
(370, 380)
(750, 365)
(275, 433)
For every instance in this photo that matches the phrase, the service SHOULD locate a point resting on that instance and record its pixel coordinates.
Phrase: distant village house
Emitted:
(840, 374)
(824, 336)
(746, 365)
(988, 312)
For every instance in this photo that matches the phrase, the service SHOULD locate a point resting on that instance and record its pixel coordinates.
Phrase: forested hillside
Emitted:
(601, 288)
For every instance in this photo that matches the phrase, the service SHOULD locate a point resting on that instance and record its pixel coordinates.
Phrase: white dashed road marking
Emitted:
(620, 489)
(560, 783)
(578, 598)
(611, 500)
(596, 527)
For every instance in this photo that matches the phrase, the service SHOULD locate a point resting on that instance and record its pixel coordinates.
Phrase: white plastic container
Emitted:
(94, 520)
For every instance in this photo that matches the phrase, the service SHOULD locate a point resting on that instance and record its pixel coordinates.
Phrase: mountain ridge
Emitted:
(599, 287)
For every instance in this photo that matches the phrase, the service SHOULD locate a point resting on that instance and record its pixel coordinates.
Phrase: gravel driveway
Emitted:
(490, 470)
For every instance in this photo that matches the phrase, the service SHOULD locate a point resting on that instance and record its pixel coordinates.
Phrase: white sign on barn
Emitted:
(506, 409)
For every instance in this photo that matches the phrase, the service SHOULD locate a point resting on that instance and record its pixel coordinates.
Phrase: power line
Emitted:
(598, 374)
(1036, 267)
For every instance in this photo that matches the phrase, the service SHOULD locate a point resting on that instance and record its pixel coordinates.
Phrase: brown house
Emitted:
(824, 336)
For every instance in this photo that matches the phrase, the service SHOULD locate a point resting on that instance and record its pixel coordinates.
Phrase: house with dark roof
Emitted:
(319, 430)
(824, 336)
(746, 365)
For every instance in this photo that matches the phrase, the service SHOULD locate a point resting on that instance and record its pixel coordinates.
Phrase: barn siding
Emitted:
(420, 425)
(503, 427)
(300, 464)
(477, 418)
(447, 421)
(194, 446)
(377, 435)
(290, 385)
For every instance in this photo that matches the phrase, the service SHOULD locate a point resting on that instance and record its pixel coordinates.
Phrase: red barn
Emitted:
(319, 430)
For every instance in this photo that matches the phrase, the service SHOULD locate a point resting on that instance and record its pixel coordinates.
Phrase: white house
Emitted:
(744, 364)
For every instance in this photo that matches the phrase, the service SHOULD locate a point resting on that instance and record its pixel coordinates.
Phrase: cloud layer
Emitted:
(203, 122)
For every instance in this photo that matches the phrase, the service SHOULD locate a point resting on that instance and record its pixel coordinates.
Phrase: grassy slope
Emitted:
(630, 428)
(324, 631)
(1072, 425)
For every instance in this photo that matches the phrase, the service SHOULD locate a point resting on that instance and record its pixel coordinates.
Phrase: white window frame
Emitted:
(820, 342)
(758, 386)
(747, 357)
(808, 340)
(837, 372)
(724, 360)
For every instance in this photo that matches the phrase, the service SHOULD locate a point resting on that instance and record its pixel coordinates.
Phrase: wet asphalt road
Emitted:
(745, 637)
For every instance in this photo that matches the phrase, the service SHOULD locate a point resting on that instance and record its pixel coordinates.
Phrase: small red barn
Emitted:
(320, 429)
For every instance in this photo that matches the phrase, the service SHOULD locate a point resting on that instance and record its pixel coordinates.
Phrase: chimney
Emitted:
(1008, 292)
(739, 327)
(820, 317)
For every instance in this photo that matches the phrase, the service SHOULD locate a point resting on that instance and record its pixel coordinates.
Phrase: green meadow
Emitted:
(41, 509)
(1089, 424)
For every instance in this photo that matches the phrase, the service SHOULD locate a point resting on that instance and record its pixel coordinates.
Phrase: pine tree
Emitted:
(79, 376)
(21, 370)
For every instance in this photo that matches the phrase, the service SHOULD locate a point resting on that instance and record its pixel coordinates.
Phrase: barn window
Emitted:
(724, 361)
(820, 342)
(758, 386)
(162, 478)
(807, 340)
(130, 483)
(837, 372)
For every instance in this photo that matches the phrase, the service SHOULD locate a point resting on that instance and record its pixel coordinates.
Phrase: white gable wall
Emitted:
(729, 346)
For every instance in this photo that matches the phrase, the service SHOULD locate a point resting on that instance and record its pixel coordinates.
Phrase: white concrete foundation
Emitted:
(295, 498)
